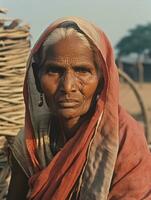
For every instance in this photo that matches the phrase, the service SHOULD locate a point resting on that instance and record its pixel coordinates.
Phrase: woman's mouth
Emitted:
(68, 103)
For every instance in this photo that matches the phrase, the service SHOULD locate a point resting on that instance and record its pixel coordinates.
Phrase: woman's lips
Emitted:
(68, 103)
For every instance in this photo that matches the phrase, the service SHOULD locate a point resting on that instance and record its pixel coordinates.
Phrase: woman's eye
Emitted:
(82, 70)
(55, 70)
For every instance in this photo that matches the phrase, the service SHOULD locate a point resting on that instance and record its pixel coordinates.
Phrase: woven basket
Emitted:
(14, 51)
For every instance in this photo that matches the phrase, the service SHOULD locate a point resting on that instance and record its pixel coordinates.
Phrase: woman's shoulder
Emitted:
(125, 119)
(128, 126)
(132, 175)
(131, 134)
(19, 152)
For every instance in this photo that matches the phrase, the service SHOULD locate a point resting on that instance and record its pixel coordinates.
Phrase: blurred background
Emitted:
(128, 27)
(115, 17)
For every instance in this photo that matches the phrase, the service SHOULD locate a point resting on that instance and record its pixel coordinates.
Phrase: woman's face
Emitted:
(68, 77)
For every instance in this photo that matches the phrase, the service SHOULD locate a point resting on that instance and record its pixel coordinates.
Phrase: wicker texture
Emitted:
(14, 51)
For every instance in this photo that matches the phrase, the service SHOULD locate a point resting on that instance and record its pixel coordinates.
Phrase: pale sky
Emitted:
(115, 17)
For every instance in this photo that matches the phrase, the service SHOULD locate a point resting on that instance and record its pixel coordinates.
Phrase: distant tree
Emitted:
(138, 41)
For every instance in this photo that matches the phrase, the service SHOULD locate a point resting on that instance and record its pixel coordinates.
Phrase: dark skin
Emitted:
(69, 80)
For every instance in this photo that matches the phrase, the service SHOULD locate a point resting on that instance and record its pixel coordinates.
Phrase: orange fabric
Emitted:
(58, 178)
(132, 173)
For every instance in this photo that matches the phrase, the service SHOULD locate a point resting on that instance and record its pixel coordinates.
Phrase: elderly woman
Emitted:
(77, 142)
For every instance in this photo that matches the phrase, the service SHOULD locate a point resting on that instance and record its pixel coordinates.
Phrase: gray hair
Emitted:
(63, 33)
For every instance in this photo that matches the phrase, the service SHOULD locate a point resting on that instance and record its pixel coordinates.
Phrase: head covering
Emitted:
(91, 152)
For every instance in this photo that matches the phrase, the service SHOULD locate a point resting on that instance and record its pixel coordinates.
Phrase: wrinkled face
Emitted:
(69, 78)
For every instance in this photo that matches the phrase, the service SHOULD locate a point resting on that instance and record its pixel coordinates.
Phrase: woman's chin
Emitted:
(68, 113)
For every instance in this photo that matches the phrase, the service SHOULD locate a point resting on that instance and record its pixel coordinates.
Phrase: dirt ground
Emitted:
(130, 102)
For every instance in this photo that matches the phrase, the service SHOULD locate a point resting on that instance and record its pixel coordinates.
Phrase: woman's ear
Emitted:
(36, 72)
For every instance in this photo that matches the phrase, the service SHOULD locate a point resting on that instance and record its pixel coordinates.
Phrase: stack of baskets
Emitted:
(14, 51)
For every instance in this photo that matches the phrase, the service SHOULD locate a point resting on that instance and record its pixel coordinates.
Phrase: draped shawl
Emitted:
(93, 156)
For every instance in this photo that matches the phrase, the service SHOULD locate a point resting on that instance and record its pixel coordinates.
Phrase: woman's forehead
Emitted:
(71, 48)
(76, 50)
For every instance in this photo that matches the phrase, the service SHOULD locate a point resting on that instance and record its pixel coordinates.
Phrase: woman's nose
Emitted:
(68, 83)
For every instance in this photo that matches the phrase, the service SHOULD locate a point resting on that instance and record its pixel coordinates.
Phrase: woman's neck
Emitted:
(69, 126)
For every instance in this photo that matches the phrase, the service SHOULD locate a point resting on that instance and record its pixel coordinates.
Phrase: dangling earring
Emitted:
(41, 100)
(97, 97)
